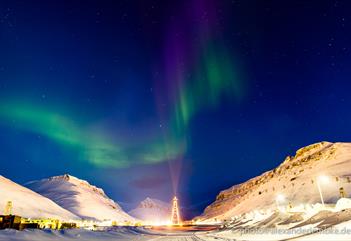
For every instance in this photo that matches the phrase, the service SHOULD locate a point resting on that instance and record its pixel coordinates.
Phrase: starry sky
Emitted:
(156, 98)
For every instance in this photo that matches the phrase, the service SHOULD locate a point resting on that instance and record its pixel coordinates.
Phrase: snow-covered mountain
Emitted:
(152, 210)
(80, 198)
(27, 203)
(294, 182)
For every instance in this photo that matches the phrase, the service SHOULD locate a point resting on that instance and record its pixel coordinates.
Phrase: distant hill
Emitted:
(30, 204)
(152, 210)
(80, 198)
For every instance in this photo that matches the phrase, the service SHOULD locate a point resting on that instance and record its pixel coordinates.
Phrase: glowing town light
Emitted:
(324, 180)
(280, 199)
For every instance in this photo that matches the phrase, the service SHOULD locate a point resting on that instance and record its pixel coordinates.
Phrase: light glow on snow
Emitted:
(323, 179)
(280, 198)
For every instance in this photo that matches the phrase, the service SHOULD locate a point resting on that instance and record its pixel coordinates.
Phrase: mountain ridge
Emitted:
(80, 197)
(152, 210)
(298, 172)
(30, 204)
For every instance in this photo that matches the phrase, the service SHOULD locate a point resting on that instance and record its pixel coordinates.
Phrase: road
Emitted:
(191, 233)
(109, 234)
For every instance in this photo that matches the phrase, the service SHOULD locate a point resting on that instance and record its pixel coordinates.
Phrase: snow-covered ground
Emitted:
(139, 234)
(314, 222)
(117, 234)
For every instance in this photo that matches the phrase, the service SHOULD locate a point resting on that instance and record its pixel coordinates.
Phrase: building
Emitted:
(10, 221)
(42, 223)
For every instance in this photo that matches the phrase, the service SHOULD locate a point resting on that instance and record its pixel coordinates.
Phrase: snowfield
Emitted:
(107, 235)
(315, 223)
(140, 234)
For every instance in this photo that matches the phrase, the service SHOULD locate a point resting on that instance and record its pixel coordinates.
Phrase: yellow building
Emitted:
(43, 223)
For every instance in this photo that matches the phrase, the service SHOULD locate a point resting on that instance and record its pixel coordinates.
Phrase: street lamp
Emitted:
(280, 198)
(324, 180)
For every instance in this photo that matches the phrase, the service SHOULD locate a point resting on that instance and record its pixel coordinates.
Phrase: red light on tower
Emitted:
(175, 218)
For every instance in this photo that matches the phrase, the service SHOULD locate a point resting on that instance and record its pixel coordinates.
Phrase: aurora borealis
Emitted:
(149, 98)
(93, 146)
(197, 84)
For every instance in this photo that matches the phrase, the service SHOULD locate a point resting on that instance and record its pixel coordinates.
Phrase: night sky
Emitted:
(156, 98)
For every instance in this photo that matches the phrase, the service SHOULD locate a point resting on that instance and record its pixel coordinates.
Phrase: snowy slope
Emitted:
(27, 203)
(79, 197)
(152, 210)
(296, 179)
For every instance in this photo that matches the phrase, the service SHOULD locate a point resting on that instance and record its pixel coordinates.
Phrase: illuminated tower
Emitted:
(8, 208)
(175, 219)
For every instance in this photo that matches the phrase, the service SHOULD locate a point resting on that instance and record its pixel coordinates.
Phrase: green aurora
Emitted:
(214, 77)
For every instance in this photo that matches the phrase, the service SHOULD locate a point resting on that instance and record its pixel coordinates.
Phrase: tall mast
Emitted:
(175, 218)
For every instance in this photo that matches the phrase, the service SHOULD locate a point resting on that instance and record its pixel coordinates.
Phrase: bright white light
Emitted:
(323, 179)
(280, 198)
